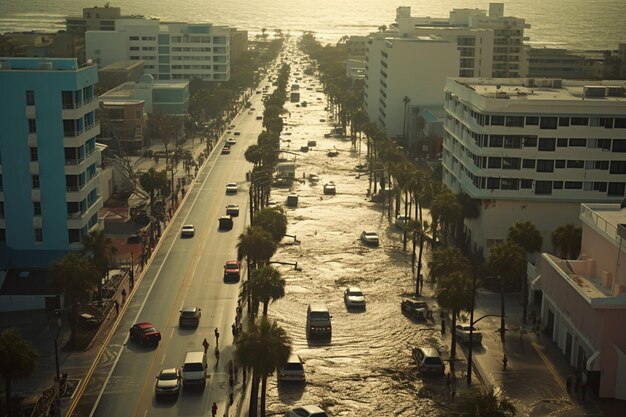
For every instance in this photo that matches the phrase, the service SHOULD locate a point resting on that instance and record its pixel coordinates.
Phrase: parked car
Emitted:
(231, 141)
(417, 310)
(370, 238)
(354, 298)
(168, 383)
(231, 188)
(293, 370)
(237, 133)
(189, 317)
(145, 334)
(428, 360)
(232, 210)
(463, 332)
(231, 271)
(226, 150)
(225, 223)
(188, 230)
(306, 411)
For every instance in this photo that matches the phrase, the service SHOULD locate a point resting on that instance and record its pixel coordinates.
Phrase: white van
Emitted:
(318, 323)
(194, 370)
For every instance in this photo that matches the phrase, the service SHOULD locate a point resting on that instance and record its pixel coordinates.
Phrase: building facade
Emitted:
(122, 126)
(533, 150)
(48, 44)
(171, 51)
(49, 160)
(119, 73)
(544, 62)
(94, 18)
(583, 301)
(238, 43)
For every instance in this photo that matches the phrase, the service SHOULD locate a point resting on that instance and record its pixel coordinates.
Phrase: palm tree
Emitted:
(527, 236)
(484, 403)
(18, 359)
(446, 261)
(256, 245)
(152, 181)
(272, 220)
(264, 347)
(445, 210)
(74, 276)
(418, 230)
(454, 293)
(566, 240)
(266, 285)
(100, 250)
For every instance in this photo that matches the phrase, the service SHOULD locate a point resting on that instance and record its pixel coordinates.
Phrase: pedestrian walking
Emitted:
(123, 295)
(117, 307)
(568, 382)
(217, 355)
(217, 336)
(214, 409)
(443, 326)
(505, 362)
(205, 344)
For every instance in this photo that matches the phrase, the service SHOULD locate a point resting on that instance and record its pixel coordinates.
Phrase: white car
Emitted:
(168, 382)
(370, 238)
(232, 188)
(188, 231)
(231, 141)
(463, 331)
(293, 370)
(353, 297)
(306, 411)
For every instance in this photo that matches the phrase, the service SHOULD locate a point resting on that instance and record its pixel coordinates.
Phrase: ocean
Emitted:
(574, 24)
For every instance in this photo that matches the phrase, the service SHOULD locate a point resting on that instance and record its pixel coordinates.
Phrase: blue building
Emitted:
(49, 163)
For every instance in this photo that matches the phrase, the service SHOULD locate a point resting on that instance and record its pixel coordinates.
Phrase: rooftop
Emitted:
(41, 64)
(607, 219)
(122, 66)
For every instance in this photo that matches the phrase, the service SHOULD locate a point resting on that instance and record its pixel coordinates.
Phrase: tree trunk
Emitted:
(263, 393)
(453, 331)
(265, 305)
(7, 396)
(254, 395)
(419, 259)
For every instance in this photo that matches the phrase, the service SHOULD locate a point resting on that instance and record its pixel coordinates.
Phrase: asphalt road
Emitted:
(183, 271)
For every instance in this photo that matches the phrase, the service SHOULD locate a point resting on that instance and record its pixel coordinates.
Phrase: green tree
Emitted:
(272, 220)
(454, 293)
(256, 245)
(100, 250)
(446, 261)
(483, 403)
(567, 240)
(18, 359)
(266, 285)
(445, 211)
(507, 260)
(264, 347)
(152, 181)
(74, 276)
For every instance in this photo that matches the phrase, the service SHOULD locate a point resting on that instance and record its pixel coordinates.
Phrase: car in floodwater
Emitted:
(370, 238)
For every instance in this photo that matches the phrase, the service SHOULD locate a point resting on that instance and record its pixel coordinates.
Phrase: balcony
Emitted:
(77, 110)
(79, 219)
(30, 112)
(76, 138)
(75, 193)
(32, 140)
(78, 165)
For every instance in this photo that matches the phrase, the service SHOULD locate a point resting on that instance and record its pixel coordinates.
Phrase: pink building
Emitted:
(583, 303)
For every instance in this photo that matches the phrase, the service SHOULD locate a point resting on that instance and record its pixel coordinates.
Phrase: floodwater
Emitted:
(367, 368)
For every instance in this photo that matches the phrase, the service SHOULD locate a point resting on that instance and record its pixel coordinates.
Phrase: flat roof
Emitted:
(122, 65)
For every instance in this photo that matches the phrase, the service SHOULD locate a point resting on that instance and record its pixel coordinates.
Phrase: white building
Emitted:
(171, 51)
(398, 69)
(490, 44)
(533, 150)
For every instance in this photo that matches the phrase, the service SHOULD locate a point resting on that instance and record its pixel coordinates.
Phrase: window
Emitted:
(497, 120)
(559, 163)
(620, 123)
(30, 98)
(510, 163)
(530, 142)
(576, 164)
(32, 126)
(557, 185)
(573, 185)
(547, 144)
(563, 121)
(602, 165)
(513, 142)
(618, 167)
(607, 122)
(134, 38)
(496, 141)
(545, 165)
(509, 184)
(526, 184)
(548, 123)
(619, 145)
(494, 162)
(3, 236)
(37, 208)
(599, 186)
(543, 187)
(616, 189)
(493, 183)
(561, 143)
(38, 235)
(34, 155)
(532, 121)
(73, 235)
(528, 163)
(35, 182)
(515, 121)
(577, 143)
(579, 121)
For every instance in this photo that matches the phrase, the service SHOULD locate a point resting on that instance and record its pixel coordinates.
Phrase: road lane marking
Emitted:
(549, 365)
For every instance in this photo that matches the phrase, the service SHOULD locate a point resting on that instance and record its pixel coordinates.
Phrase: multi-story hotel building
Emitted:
(94, 18)
(533, 150)
(170, 50)
(49, 162)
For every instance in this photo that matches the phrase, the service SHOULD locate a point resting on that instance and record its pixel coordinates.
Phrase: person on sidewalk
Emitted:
(123, 295)
(117, 307)
(214, 409)
(217, 356)
(505, 362)
(217, 336)
(205, 344)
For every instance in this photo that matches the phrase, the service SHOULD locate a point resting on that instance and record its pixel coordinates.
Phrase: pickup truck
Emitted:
(417, 310)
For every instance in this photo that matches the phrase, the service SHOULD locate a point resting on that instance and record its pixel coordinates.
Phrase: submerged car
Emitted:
(168, 382)
(463, 333)
(232, 210)
(428, 360)
(417, 310)
(293, 370)
(370, 238)
(189, 317)
(354, 298)
(306, 411)
(330, 188)
(145, 334)
(188, 230)
(231, 271)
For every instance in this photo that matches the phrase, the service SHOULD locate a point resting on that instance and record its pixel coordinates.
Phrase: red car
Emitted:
(145, 334)
(231, 271)
(226, 150)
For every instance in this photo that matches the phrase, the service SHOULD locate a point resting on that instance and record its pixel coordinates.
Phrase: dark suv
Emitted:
(145, 334)
(189, 317)
(417, 310)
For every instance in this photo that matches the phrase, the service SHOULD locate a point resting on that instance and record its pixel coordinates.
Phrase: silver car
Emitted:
(168, 383)
(354, 298)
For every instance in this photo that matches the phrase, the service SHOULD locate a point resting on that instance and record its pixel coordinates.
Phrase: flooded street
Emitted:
(367, 368)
